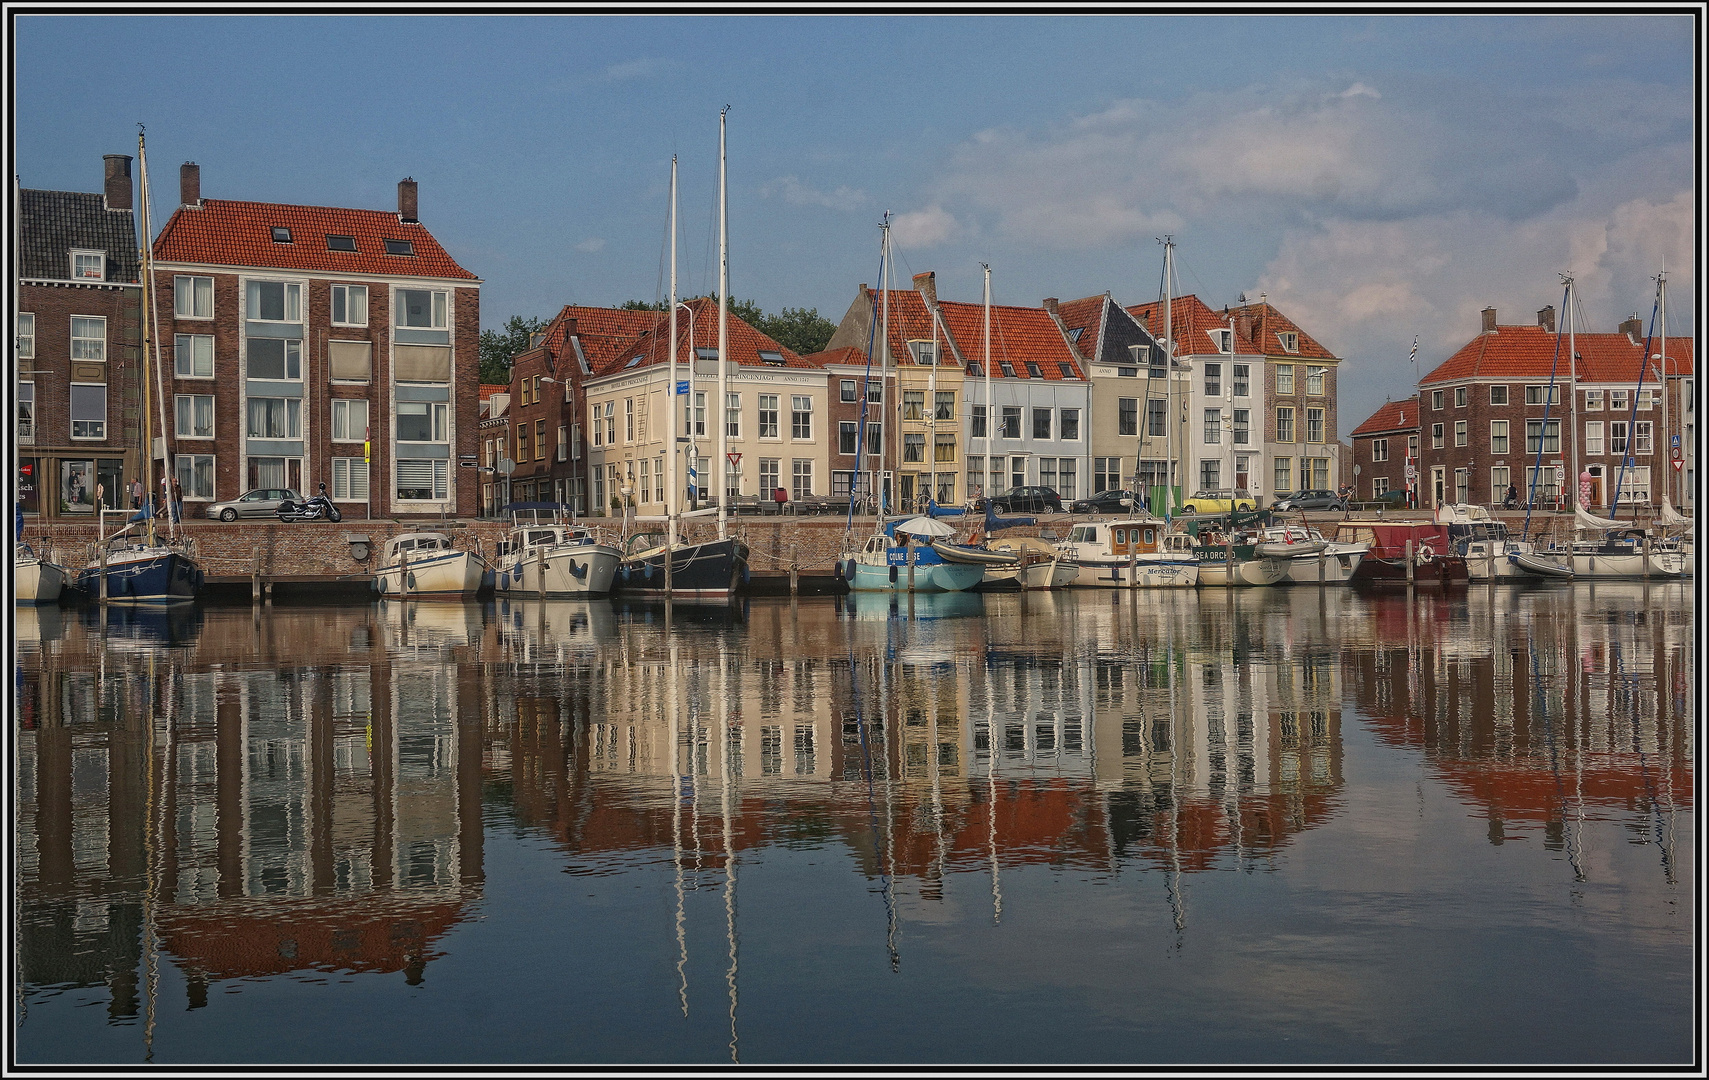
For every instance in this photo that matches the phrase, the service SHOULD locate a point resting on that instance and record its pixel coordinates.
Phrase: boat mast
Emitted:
(932, 410)
(671, 397)
(147, 329)
(1570, 413)
(990, 409)
(1168, 381)
(723, 336)
(1667, 437)
(885, 420)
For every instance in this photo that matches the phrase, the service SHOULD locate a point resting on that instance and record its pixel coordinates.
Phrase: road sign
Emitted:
(1355, 470)
(1560, 474)
(734, 459)
(1678, 464)
(1412, 472)
(1676, 440)
(1676, 454)
(682, 387)
(506, 466)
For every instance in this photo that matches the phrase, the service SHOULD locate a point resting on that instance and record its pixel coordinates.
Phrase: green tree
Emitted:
(801, 329)
(500, 348)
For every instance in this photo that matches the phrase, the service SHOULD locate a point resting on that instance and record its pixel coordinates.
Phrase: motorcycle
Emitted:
(318, 508)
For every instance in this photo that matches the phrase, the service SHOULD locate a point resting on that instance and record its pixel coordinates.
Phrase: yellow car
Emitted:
(1219, 501)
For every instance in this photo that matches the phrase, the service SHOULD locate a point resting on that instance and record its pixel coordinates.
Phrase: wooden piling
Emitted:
(103, 555)
(1409, 565)
(794, 568)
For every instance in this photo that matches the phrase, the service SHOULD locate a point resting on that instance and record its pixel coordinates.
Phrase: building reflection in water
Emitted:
(302, 791)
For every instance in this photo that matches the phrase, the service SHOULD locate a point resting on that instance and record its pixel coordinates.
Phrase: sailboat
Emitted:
(145, 569)
(36, 579)
(659, 563)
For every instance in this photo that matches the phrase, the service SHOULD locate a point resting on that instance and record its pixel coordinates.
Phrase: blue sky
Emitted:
(1375, 177)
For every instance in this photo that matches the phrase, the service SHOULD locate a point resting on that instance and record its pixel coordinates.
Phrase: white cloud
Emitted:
(796, 193)
(591, 245)
(1359, 89)
(924, 228)
(633, 69)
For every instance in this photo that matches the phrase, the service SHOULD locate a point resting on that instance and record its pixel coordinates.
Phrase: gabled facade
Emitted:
(311, 344)
(495, 436)
(1039, 396)
(848, 378)
(1384, 446)
(1489, 418)
(76, 354)
(1130, 391)
(775, 414)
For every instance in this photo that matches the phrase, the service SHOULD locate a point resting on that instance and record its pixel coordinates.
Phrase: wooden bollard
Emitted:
(255, 575)
(1409, 566)
(1320, 568)
(794, 567)
(540, 570)
(103, 554)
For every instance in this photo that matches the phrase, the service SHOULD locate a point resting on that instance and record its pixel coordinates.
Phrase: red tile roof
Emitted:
(1268, 323)
(848, 355)
(489, 389)
(1393, 416)
(1087, 316)
(1529, 352)
(612, 337)
(1018, 334)
(1191, 322)
(221, 232)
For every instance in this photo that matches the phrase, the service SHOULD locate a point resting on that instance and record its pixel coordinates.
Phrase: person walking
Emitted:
(177, 500)
(136, 494)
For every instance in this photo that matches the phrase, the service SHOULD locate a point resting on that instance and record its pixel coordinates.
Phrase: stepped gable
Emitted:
(224, 232)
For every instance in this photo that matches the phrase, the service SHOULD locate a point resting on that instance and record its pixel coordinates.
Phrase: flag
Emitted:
(1414, 357)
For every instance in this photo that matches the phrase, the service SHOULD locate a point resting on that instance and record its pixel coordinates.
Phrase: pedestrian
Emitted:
(136, 494)
(178, 500)
(1512, 499)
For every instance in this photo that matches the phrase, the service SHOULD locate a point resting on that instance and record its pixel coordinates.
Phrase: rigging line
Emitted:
(872, 807)
(1632, 420)
(1634, 699)
(865, 394)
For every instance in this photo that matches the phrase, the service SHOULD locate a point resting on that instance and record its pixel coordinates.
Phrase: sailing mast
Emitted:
(148, 329)
(884, 370)
(990, 408)
(932, 411)
(723, 335)
(1570, 412)
(1168, 382)
(675, 414)
(1667, 436)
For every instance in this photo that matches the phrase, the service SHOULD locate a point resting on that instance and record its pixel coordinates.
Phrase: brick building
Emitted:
(1488, 416)
(315, 344)
(1383, 446)
(77, 348)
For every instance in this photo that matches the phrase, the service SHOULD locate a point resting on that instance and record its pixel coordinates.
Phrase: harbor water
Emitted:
(1135, 827)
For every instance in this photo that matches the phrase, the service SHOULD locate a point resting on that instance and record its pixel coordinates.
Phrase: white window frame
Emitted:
(293, 360)
(732, 418)
(1593, 438)
(1314, 376)
(178, 415)
(1542, 394)
(344, 471)
(184, 348)
(291, 297)
(801, 418)
(1498, 390)
(1643, 438)
(1315, 418)
(438, 310)
(1010, 412)
(1619, 400)
(1213, 426)
(292, 430)
(348, 291)
(100, 258)
(185, 466)
(1499, 440)
(340, 419)
(1438, 436)
(801, 478)
(439, 487)
(1379, 450)
(101, 435)
(27, 411)
(1284, 380)
(438, 424)
(1462, 434)
(1459, 397)
(188, 293)
(26, 335)
(1285, 424)
(772, 432)
(100, 341)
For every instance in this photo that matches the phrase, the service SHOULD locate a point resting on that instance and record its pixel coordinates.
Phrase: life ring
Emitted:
(1425, 553)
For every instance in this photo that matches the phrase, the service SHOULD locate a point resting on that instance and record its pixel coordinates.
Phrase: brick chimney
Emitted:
(118, 181)
(406, 200)
(1243, 323)
(1546, 318)
(1489, 320)
(1050, 305)
(1633, 328)
(926, 285)
(190, 184)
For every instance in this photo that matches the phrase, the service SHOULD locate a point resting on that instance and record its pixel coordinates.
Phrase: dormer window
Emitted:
(340, 243)
(633, 363)
(1006, 368)
(706, 354)
(281, 234)
(1066, 370)
(88, 266)
(1290, 341)
(924, 352)
(1074, 334)
(1223, 339)
(1034, 370)
(771, 356)
(400, 247)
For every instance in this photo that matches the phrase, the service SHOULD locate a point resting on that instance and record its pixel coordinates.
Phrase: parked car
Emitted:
(262, 502)
(1113, 501)
(1027, 500)
(1219, 501)
(1310, 500)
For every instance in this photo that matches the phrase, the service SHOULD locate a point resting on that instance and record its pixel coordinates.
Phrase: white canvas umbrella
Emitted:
(925, 526)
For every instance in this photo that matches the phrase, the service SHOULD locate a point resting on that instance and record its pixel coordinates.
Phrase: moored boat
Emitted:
(36, 579)
(554, 559)
(1237, 564)
(891, 561)
(1036, 564)
(707, 570)
(1309, 557)
(1131, 553)
(425, 566)
(142, 573)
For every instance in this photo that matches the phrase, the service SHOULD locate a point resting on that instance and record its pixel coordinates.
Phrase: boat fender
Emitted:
(893, 575)
(376, 585)
(578, 571)
(837, 571)
(411, 580)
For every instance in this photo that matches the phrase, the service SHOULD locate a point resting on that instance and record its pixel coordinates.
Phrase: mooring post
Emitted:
(540, 568)
(255, 575)
(103, 553)
(794, 567)
(1409, 566)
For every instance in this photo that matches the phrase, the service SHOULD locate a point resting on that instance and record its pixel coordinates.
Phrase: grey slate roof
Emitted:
(51, 223)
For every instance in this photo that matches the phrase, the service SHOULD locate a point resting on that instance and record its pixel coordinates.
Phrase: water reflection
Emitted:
(310, 791)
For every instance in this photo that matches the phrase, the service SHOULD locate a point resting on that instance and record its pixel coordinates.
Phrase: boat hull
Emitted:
(144, 576)
(1619, 564)
(1440, 570)
(442, 575)
(1247, 571)
(1148, 572)
(1041, 574)
(936, 576)
(569, 571)
(37, 581)
(1337, 567)
(714, 570)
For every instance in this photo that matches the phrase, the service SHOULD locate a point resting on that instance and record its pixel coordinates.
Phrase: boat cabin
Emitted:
(1126, 537)
(413, 544)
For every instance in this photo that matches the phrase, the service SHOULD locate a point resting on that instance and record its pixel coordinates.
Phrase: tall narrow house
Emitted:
(79, 330)
(311, 344)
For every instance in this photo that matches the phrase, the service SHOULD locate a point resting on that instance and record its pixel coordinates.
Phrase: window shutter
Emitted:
(421, 363)
(349, 360)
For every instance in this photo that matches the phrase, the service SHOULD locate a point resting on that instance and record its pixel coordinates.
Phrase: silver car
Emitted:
(262, 502)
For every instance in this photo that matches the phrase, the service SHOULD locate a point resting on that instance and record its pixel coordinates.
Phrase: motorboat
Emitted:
(1132, 553)
(36, 579)
(425, 566)
(1237, 562)
(555, 559)
(1390, 544)
(890, 560)
(1491, 553)
(1310, 558)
